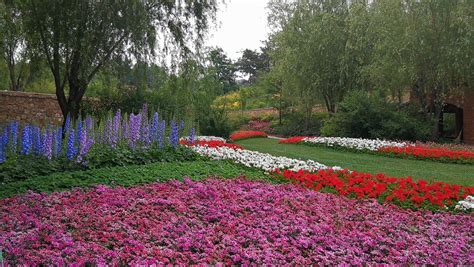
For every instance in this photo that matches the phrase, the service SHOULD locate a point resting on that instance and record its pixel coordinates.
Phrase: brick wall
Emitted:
(469, 117)
(26, 107)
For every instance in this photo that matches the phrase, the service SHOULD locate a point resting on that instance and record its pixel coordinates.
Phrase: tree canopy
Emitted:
(78, 38)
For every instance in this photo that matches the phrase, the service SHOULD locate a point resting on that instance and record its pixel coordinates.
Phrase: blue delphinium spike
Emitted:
(71, 148)
(67, 125)
(79, 129)
(161, 134)
(14, 136)
(26, 140)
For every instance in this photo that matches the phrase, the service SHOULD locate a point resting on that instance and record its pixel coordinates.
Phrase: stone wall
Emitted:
(26, 107)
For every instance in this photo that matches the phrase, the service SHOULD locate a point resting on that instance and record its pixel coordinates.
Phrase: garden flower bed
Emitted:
(218, 150)
(430, 151)
(400, 191)
(224, 222)
(239, 135)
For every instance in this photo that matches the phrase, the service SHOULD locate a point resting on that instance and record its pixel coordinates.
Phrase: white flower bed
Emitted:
(205, 138)
(354, 143)
(467, 204)
(259, 160)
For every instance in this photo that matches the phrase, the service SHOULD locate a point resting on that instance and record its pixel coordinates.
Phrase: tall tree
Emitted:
(224, 68)
(79, 37)
(252, 63)
(12, 45)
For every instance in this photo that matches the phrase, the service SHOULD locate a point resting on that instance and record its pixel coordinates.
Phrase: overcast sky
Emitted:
(241, 24)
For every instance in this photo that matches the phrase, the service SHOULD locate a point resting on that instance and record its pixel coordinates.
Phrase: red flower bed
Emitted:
(402, 191)
(419, 151)
(210, 144)
(246, 134)
(292, 140)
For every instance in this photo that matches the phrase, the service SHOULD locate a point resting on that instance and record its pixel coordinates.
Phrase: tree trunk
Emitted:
(14, 84)
(280, 111)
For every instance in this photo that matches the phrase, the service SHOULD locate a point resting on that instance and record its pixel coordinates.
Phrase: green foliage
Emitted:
(130, 175)
(29, 167)
(215, 123)
(372, 116)
(291, 125)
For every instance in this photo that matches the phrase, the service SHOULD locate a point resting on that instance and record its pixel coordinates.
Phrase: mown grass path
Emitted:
(417, 169)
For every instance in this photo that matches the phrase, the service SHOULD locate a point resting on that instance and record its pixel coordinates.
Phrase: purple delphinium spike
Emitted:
(125, 129)
(89, 123)
(37, 145)
(154, 128)
(71, 148)
(79, 129)
(108, 133)
(58, 142)
(134, 129)
(84, 145)
(116, 128)
(4, 136)
(145, 133)
(48, 144)
(26, 140)
(173, 138)
(90, 127)
(181, 125)
(3, 153)
(3, 145)
(161, 134)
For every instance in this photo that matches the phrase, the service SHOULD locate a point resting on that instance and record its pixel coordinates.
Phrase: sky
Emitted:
(241, 24)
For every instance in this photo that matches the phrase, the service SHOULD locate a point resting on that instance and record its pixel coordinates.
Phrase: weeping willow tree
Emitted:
(78, 38)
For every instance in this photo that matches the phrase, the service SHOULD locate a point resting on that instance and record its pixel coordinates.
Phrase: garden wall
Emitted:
(27, 107)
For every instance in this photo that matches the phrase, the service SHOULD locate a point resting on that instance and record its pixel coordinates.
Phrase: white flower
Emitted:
(204, 138)
(259, 160)
(466, 204)
(354, 143)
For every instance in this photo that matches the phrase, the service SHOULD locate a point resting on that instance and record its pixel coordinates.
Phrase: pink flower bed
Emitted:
(224, 221)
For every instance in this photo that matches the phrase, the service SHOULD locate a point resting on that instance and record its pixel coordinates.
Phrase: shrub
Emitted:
(29, 166)
(292, 125)
(372, 117)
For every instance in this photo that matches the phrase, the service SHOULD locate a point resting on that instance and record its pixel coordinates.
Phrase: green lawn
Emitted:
(450, 173)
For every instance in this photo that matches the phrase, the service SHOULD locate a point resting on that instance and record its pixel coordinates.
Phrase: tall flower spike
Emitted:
(154, 128)
(79, 129)
(116, 128)
(58, 142)
(37, 140)
(71, 149)
(174, 136)
(161, 134)
(67, 124)
(134, 132)
(26, 140)
(14, 136)
(3, 145)
(83, 146)
(48, 144)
